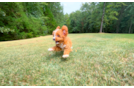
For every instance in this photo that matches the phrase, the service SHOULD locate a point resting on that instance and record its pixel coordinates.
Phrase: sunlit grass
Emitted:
(97, 59)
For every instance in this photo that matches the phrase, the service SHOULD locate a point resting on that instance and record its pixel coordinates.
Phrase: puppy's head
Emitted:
(63, 32)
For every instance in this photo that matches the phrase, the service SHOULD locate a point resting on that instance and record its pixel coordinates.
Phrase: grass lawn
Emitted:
(96, 60)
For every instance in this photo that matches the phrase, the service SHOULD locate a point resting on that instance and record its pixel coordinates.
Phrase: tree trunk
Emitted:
(119, 20)
(102, 17)
(130, 27)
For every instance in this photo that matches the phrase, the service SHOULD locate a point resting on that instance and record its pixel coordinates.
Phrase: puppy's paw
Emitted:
(50, 49)
(65, 56)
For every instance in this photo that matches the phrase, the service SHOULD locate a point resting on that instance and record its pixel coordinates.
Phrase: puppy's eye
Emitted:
(58, 35)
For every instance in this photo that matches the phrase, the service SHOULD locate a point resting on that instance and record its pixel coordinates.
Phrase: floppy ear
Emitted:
(58, 27)
(64, 30)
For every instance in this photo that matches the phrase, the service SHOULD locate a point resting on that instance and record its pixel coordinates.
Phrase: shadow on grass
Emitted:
(55, 55)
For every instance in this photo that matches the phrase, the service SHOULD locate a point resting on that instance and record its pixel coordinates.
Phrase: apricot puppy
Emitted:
(62, 41)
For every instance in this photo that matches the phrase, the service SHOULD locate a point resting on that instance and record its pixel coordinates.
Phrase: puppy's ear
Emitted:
(64, 30)
(58, 27)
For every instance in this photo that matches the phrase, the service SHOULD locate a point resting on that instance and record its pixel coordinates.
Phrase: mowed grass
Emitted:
(96, 60)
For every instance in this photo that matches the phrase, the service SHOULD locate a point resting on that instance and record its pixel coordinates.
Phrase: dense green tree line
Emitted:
(20, 20)
(118, 18)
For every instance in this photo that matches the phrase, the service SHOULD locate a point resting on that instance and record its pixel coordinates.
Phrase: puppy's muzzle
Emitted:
(54, 38)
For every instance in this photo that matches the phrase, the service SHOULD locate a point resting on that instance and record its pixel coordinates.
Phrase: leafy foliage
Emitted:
(28, 19)
(118, 18)
(20, 20)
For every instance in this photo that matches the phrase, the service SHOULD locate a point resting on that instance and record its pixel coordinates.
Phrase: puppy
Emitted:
(62, 41)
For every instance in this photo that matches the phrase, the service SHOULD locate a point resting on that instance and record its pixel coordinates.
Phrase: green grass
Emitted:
(96, 60)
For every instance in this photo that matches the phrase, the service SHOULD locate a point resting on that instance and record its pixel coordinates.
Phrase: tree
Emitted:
(102, 17)
(57, 11)
(28, 19)
(130, 10)
(91, 15)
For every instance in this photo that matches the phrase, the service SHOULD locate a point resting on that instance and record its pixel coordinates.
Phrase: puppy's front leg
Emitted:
(66, 53)
(55, 48)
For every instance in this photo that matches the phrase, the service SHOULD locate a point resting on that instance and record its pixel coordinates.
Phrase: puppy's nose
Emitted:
(53, 38)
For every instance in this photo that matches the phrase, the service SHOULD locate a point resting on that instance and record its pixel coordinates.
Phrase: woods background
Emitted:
(21, 20)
